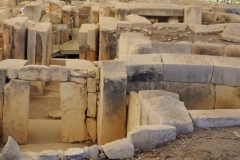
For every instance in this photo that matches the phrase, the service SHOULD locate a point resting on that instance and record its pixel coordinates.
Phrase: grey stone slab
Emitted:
(215, 118)
(180, 47)
(226, 71)
(187, 68)
(231, 33)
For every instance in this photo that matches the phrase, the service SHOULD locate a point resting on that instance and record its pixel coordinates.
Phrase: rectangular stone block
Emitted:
(229, 34)
(124, 24)
(121, 11)
(226, 18)
(91, 85)
(138, 22)
(33, 11)
(226, 71)
(187, 68)
(33, 73)
(73, 107)
(207, 17)
(192, 14)
(232, 51)
(180, 47)
(36, 87)
(112, 106)
(58, 73)
(213, 49)
(207, 29)
(215, 118)
(143, 68)
(82, 41)
(227, 97)
(16, 111)
(92, 105)
(138, 86)
(92, 128)
(2, 84)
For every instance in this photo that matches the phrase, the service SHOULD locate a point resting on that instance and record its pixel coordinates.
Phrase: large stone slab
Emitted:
(73, 107)
(14, 35)
(58, 73)
(187, 68)
(226, 9)
(112, 104)
(16, 111)
(33, 73)
(149, 137)
(229, 34)
(166, 110)
(206, 29)
(143, 68)
(226, 71)
(11, 150)
(226, 18)
(138, 22)
(213, 49)
(232, 51)
(33, 11)
(180, 47)
(91, 124)
(156, 9)
(192, 14)
(215, 118)
(227, 97)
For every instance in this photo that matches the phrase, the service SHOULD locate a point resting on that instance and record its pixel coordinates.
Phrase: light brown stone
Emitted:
(92, 105)
(92, 128)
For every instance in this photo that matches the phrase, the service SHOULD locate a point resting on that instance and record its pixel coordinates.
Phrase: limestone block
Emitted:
(124, 24)
(36, 87)
(82, 41)
(55, 16)
(121, 11)
(2, 84)
(138, 86)
(106, 11)
(156, 9)
(78, 80)
(215, 118)
(14, 35)
(58, 73)
(207, 17)
(143, 68)
(227, 97)
(94, 14)
(16, 111)
(187, 68)
(229, 34)
(33, 73)
(179, 26)
(166, 110)
(133, 118)
(180, 47)
(226, 9)
(192, 14)
(213, 49)
(50, 154)
(206, 29)
(92, 42)
(5, 13)
(138, 22)
(232, 51)
(39, 47)
(74, 153)
(112, 106)
(92, 128)
(81, 68)
(226, 18)
(33, 11)
(149, 137)
(119, 149)
(108, 38)
(226, 71)
(92, 105)
(29, 155)
(11, 150)
(134, 43)
(73, 106)
(194, 95)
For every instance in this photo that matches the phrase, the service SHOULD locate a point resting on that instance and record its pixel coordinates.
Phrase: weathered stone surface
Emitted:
(226, 18)
(180, 47)
(75, 153)
(207, 17)
(73, 106)
(92, 105)
(226, 71)
(138, 22)
(112, 106)
(2, 84)
(50, 155)
(138, 86)
(232, 51)
(143, 68)
(134, 43)
(36, 87)
(119, 149)
(213, 49)
(149, 137)
(16, 110)
(194, 95)
(56, 16)
(192, 14)
(229, 34)
(215, 118)
(227, 97)
(121, 11)
(5, 13)
(14, 35)
(124, 24)
(11, 150)
(206, 29)
(93, 152)
(78, 80)
(165, 110)
(226, 9)
(33, 11)
(91, 85)
(58, 73)
(156, 9)
(92, 128)
(187, 68)
(29, 155)
(82, 41)
(33, 73)
(94, 14)
(179, 26)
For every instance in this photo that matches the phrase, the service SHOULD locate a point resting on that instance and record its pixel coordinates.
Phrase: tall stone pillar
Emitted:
(14, 37)
(66, 14)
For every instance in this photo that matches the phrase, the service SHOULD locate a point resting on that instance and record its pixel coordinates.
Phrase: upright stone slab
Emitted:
(108, 38)
(111, 118)
(33, 11)
(192, 15)
(5, 13)
(187, 68)
(16, 110)
(39, 47)
(14, 35)
(139, 22)
(73, 107)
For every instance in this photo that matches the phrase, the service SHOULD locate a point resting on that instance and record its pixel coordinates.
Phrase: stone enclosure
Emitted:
(132, 74)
